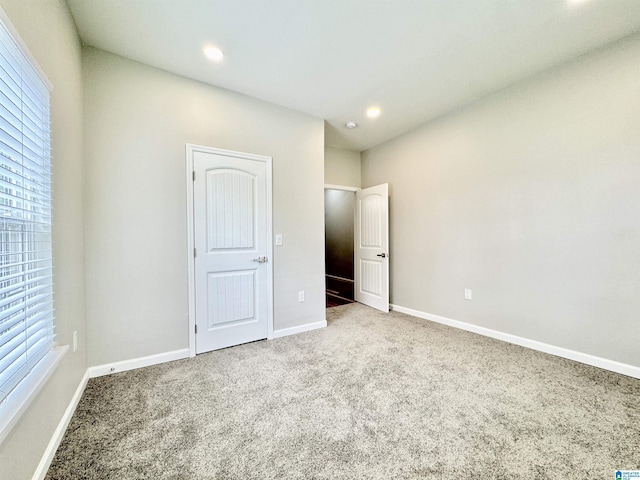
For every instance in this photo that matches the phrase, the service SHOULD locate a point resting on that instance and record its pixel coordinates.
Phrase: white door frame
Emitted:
(344, 188)
(190, 150)
(341, 187)
(381, 301)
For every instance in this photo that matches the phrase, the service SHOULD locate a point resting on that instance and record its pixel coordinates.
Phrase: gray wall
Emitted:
(532, 199)
(49, 32)
(341, 167)
(137, 122)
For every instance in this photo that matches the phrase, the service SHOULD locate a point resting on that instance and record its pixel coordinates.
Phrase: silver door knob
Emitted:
(260, 259)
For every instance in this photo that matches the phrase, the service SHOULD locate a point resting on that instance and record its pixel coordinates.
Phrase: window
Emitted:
(26, 273)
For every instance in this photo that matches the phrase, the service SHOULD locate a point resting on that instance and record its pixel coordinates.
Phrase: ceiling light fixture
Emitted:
(373, 112)
(351, 124)
(214, 54)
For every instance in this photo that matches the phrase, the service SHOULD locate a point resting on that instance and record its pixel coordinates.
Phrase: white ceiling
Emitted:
(416, 59)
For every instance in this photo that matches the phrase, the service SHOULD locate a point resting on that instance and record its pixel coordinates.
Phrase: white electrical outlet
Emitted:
(75, 340)
(278, 239)
(301, 296)
(468, 294)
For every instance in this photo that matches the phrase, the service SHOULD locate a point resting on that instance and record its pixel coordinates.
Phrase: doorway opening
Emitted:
(339, 216)
(357, 246)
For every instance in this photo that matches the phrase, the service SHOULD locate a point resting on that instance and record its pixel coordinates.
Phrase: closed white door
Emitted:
(372, 247)
(231, 198)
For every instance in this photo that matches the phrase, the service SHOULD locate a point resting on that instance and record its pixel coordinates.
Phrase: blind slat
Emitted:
(26, 272)
(13, 337)
(28, 342)
(12, 374)
(21, 318)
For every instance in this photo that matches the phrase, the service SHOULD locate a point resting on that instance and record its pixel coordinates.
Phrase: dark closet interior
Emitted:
(339, 213)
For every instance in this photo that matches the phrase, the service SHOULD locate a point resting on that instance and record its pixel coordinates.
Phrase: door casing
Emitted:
(379, 301)
(190, 150)
(355, 190)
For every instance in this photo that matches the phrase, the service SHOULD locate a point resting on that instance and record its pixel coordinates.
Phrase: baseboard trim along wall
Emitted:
(107, 369)
(283, 332)
(58, 434)
(611, 365)
(134, 363)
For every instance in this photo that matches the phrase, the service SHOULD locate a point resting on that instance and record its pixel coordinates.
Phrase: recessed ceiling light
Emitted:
(373, 112)
(351, 124)
(214, 54)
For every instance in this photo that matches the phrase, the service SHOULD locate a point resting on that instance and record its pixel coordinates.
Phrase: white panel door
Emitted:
(231, 269)
(372, 247)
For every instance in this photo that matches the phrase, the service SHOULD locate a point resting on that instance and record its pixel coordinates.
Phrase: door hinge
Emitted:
(194, 252)
(196, 328)
(193, 175)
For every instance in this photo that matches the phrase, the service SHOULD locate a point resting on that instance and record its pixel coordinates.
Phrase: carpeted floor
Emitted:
(372, 396)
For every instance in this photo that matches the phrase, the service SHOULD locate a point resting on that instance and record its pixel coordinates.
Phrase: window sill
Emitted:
(21, 397)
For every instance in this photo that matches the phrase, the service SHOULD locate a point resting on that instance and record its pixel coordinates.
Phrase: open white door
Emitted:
(372, 247)
(232, 269)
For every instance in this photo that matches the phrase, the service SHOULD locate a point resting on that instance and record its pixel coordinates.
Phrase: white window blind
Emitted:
(26, 273)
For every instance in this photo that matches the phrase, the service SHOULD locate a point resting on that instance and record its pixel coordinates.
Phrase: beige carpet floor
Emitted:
(372, 396)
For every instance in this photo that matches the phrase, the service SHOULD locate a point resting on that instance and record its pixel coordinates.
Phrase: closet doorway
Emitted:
(339, 221)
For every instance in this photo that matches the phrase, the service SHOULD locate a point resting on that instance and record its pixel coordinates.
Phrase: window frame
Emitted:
(21, 396)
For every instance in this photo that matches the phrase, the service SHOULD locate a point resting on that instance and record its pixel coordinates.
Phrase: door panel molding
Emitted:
(372, 247)
(191, 151)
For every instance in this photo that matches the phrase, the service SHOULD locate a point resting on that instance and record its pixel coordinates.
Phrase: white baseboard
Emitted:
(283, 332)
(612, 365)
(57, 436)
(134, 363)
(92, 372)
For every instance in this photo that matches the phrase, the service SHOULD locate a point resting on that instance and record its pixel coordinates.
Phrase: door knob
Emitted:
(383, 255)
(260, 259)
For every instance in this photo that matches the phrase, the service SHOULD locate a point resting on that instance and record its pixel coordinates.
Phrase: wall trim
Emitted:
(190, 150)
(58, 434)
(604, 363)
(24, 50)
(284, 332)
(18, 401)
(328, 186)
(134, 363)
(100, 370)
(92, 372)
